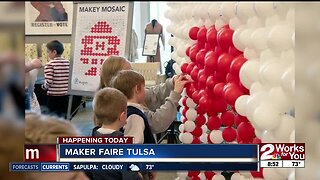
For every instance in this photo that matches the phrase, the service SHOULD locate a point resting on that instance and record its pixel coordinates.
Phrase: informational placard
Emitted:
(150, 45)
(48, 18)
(101, 29)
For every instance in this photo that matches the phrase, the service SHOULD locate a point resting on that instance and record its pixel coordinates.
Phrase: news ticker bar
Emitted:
(70, 166)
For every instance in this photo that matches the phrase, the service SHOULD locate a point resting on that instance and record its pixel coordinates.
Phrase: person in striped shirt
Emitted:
(56, 73)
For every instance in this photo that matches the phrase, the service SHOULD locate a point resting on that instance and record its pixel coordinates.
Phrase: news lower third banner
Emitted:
(136, 157)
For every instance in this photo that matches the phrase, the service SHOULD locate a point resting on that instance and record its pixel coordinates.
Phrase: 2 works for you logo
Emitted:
(98, 45)
(283, 151)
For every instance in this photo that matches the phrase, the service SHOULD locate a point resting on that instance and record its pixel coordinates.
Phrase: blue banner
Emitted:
(158, 151)
(60, 167)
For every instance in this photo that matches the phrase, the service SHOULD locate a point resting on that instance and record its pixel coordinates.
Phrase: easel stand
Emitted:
(171, 134)
(69, 112)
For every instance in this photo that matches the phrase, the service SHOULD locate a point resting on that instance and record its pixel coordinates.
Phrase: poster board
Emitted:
(100, 29)
(150, 45)
(55, 17)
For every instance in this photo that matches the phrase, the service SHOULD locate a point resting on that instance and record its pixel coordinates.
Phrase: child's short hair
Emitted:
(126, 80)
(55, 45)
(108, 104)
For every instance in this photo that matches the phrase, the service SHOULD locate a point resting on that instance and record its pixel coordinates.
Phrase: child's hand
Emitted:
(180, 81)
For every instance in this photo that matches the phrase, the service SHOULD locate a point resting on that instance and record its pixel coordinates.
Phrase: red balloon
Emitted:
(190, 67)
(200, 58)
(197, 132)
(190, 88)
(203, 105)
(196, 97)
(236, 64)
(193, 32)
(184, 101)
(229, 85)
(256, 140)
(218, 89)
(194, 73)
(193, 173)
(196, 140)
(184, 67)
(188, 51)
(202, 81)
(234, 51)
(246, 131)
(257, 174)
(224, 38)
(214, 123)
(211, 82)
(227, 118)
(184, 111)
(193, 52)
(219, 105)
(212, 111)
(218, 50)
(221, 76)
(209, 174)
(211, 60)
(200, 120)
(239, 139)
(208, 47)
(184, 120)
(212, 36)
(224, 62)
(239, 119)
(230, 78)
(229, 134)
(201, 36)
(231, 94)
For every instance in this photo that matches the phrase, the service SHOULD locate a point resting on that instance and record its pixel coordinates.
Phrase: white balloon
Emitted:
(292, 175)
(187, 138)
(218, 177)
(181, 128)
(214, 11)
(253, 101)
(235, 23)
(182, 174)
(264, 9)
(204, 138)
(271, 174)
(235, 176)
(270, 73)
(249, 73)
(256, 87)
(284, 129)
(208, 23)
(181, 109)
(176, 68)
(254, 22)
(189, 126)
(245, 37)
(250, 54)
(280, 100)
(191, 114)
(236, 38)
(202, 176)
(241, 104)
(288, 80)
(267, 137)
(266, 117)
(272, 20)
(259, 38)
(190, 103)
(258, 133)
(219, 24)
(204, 128)
(266, 55)
(280, 37)
(284, 172)
(245, 10)
(216, 136)
(181, 137)
(228, 11)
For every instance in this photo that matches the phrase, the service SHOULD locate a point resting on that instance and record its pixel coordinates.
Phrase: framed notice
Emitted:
(48, 18)
(100, 30)
(150, 45)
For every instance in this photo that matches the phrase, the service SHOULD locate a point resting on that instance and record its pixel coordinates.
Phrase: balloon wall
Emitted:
(241, 58)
